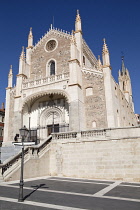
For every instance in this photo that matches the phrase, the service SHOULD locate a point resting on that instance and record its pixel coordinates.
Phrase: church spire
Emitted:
(22, 55)
(29, 48)
(10, 77)
(105, 54)
(123, 66)
(125, 83)
(21, 61)
(78, 26)
(30, 39)
(99, 64)
(10, 71)
(105, 48)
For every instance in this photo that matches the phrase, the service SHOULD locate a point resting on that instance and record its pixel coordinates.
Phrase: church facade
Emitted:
(61, 86)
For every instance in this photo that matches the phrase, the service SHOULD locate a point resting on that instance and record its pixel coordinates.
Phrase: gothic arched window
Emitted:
(123, 85)
(52, 68)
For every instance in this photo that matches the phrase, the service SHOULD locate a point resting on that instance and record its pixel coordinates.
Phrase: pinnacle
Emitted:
(10, 71)
(78, 16)
(105, 48)
(30, 33)
(123, 66)
(99, 64)
(22, 56)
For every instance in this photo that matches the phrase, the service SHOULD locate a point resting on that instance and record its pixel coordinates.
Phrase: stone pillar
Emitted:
(76, 109)
(111, 119)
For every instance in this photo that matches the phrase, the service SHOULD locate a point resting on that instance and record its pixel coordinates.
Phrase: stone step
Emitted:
(9, 151)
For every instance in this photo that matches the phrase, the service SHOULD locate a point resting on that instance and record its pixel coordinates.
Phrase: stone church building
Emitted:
(61, 86)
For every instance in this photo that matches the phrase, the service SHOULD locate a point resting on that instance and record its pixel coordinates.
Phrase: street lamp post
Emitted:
(23, 133)
(53, 122)
(0, 150)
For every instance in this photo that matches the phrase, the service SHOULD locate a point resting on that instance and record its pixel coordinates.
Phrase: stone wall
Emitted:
(123, 110)
(94, 98)
(111, 159)
(111, 154)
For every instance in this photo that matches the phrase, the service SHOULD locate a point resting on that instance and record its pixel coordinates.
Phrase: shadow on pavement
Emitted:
(36, 188)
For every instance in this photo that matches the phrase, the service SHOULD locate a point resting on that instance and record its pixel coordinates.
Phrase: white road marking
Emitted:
(96, 195)
(123, 199)
(107, 189)
(128, 185)
(46, 205)
(52, 191)
(64, 180)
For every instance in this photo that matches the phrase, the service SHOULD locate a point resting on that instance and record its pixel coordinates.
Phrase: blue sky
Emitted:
(118, 21)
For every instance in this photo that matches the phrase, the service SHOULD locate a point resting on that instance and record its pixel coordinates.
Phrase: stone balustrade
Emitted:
(69, 135)
(100, 134)
(43, 81)
(93, 133)
(80, 135)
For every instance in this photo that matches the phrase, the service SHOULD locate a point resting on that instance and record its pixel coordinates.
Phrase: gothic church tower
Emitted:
(125, 83)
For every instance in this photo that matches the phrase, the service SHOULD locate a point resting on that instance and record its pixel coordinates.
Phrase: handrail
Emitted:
(40, 146)
(9, 163)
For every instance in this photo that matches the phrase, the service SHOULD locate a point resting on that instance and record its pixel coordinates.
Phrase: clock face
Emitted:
(51, 45)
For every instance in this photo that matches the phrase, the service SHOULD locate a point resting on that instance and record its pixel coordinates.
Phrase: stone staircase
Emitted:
(11, 158)
(7, 152)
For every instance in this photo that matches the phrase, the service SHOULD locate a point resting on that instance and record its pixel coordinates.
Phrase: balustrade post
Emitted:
(78, 135)
(108, 132)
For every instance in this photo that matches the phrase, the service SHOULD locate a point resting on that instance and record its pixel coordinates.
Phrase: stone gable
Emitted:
(40, 56)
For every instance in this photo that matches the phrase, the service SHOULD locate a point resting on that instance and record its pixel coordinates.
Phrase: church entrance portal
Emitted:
(54, 115)
(48, 114)
(53, 129)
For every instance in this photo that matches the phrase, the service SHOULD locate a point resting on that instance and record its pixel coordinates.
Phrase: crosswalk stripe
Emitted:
(46, 205)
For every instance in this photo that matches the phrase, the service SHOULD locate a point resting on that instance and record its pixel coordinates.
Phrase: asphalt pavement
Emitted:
(70, 194)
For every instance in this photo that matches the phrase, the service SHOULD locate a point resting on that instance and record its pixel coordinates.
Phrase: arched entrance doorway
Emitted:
(48, 114)
(52, 120)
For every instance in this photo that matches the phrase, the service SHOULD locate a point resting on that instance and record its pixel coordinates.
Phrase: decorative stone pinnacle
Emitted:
(105, 49)
(122, 57)
(104, 40)
(22, 56)
(30, 33)
(99, 64)
(10, 71)
(78, 16)
(123, 69)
